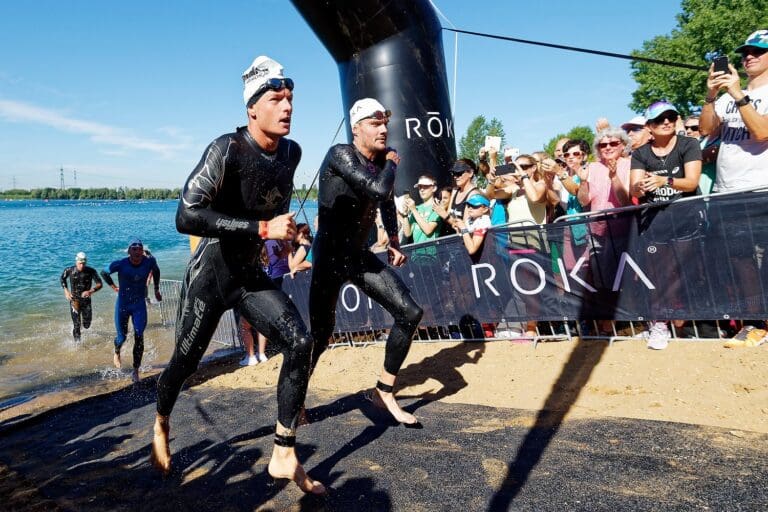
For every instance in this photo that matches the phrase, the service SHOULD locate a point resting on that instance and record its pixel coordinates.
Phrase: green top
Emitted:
(428, 214)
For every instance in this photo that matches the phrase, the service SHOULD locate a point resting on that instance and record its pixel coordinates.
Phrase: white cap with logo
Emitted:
(256, 75)
(365, 108)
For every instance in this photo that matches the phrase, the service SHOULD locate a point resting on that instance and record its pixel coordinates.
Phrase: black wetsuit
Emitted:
(351, 188)
(236, 185)
(80, 307)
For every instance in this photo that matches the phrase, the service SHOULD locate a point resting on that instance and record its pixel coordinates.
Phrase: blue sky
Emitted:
(130, 93)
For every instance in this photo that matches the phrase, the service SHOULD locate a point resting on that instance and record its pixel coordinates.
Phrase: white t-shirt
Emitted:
(742, 161)
(480, 225)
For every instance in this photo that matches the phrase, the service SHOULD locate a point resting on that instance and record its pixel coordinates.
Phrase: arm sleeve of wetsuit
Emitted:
(156, 274)
(195, 215)
(97, 280)
(345, 162)
(64, 276)
(389, 217)
(105, 274)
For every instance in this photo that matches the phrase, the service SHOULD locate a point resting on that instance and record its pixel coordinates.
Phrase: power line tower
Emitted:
(61, 177)
(74, 176)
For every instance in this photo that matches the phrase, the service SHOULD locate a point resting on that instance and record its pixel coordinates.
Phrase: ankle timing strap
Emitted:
(285, 441)
(384, 387)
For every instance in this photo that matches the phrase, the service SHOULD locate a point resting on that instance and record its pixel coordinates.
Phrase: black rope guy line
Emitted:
(314, 180)
(580, 50)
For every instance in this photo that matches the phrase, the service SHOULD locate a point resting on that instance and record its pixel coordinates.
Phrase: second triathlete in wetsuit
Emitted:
(237, 197)
(355, 179)
(81, 280)
(132, 275)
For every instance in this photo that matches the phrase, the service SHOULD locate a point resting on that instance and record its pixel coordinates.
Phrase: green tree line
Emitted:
(114, 193)
(92, 193)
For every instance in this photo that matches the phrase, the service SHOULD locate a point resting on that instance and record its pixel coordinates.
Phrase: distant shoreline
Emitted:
(114, 194)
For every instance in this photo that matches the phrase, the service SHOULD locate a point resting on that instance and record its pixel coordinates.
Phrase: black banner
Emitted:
(693, 259)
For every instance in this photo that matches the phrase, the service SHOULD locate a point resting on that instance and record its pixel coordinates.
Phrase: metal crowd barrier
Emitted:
(226, 333)
(369, 330)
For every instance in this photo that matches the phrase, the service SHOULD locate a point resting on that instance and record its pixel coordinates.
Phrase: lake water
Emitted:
(39, 239)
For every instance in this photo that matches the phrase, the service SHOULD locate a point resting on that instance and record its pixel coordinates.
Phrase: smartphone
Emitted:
(505, 169)
(721, 64)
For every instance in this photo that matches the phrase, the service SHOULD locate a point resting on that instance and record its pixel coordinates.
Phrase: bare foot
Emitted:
(384, 400)
(117, 362)
(161, 451)
(284, 464)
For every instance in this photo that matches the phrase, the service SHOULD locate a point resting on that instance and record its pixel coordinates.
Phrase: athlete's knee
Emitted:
(303, 344)
(410, 315)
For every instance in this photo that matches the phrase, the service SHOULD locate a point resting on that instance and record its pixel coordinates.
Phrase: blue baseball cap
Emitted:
(478, 200)
(758, 39)
(658, 108)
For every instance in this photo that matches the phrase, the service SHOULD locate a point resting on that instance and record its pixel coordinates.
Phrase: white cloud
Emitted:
(17, 111)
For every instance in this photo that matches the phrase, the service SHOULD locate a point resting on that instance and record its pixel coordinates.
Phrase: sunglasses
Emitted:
(574, 154)
(635, 129)
(422, 187)
(667, 116)
(136, 246)
(613, 144)
(380, 116)
(751, 50)
(525, 167)
(693, 127)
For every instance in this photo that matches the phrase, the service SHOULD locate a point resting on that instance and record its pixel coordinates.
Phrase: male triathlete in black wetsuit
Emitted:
(237, 197)
(81, 279)
(355, 179)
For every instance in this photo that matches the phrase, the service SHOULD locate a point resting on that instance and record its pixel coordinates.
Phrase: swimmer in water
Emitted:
(236, 198)
(84, 281)
(132, 275)
(355, 180)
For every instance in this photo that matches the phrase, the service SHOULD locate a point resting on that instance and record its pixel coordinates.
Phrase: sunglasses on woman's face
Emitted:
(668, 116)
(525, 167)
(574, 154)
(613, 144)
(752, 50)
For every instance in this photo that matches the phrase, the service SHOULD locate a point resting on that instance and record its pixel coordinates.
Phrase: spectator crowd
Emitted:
(652, 159)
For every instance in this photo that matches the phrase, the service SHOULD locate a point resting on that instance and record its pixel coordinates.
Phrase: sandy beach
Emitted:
(690, 382)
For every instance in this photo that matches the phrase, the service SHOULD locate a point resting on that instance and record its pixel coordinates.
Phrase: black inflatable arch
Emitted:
(393, 51)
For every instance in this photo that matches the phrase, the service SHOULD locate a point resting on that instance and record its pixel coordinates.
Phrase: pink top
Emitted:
(601, 194)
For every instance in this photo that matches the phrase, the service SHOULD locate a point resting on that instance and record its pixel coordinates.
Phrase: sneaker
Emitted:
(262, 358)
(748, 336)
(249, 361)
(508, 334)
(658, 336)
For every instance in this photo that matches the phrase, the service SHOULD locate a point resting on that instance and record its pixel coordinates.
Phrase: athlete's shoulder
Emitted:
(342, 151)
(223, 141)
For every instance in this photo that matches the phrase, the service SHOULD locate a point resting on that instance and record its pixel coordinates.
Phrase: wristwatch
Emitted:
(671, 182)
(743, 102)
